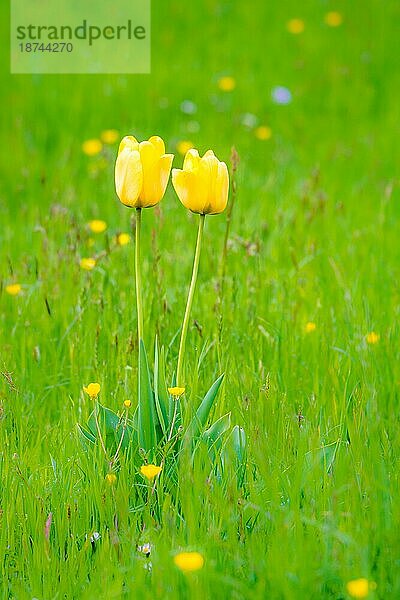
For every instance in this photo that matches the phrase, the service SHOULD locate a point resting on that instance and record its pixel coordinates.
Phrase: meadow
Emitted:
(296, 303)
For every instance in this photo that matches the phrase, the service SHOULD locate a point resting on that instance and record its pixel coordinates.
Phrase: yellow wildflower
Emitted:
(360, 588)
(295, 26)
(310, 327)
(150, 471)
(333, 19)
(372, 337)
(127, 403)
(184, 146)
(227, 83)
(93, 390)
(123, 239)
(92, 147)
(109, 136)
(176, 391)
(111, 478)
(97, 226)
(189, 561)
(263, 132)
(88, 263)
(13, 289)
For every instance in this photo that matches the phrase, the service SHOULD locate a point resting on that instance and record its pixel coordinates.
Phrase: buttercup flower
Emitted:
(123, 239)
(227, 84)
(372, 338)
(333, 19)
(142, 171)
(92, 147)
(360, 588)
(111, 478)
(97, 226)
(310, 327)
(93, 390)
(13, 289)
(263, 132)
(189, 561)
(127, 403)
(88, 263)
(176, 391)
(295, 26)
(109, 136)
(184, 146)
(203, 184)
(150, 471)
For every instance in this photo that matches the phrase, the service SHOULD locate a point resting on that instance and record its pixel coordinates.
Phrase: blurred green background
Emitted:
(314, 238)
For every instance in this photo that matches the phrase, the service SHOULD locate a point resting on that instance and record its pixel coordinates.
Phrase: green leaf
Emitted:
(199, 420)
(212, 435)
(146, 406)
(111, 428)
(235, 451)
(86, 436)
(107, 420)
(239, 443)
(160, 388)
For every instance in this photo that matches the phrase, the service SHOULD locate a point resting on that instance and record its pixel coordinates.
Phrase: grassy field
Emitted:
(306, 328)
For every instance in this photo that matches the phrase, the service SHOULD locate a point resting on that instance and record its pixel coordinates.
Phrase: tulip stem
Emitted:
(189, 301)
(138, 275)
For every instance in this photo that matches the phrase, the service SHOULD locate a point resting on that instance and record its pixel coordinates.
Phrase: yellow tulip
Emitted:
(203, 184)
(142, 171)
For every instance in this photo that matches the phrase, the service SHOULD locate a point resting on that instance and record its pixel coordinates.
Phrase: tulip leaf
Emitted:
(146, 405)
(199, 420)
(235, 448)
(212, 435)
(239, 443)
(160, 388)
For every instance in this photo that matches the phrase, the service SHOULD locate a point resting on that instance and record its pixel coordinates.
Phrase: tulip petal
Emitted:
(165, 164)
(149, 193)
(158, 144)
(128, 142)
(185, 186)
(221, 188)
(128, 176)
(192, 160)
(207, 175)
(148, 154)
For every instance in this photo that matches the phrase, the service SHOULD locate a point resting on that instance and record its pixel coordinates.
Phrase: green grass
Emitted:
(314, 237)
